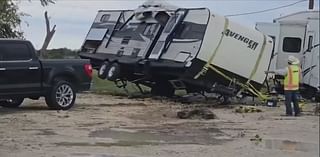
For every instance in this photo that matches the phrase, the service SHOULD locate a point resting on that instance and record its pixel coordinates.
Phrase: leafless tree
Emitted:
(49, 34)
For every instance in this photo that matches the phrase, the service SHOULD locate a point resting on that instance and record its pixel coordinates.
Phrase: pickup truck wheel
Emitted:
(11, 103)
(62, 96)
(103, 70)
(113, 72)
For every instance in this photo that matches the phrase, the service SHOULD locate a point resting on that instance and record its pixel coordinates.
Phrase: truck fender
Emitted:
(69, 74)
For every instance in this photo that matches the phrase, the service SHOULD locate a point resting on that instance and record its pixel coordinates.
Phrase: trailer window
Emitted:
(150, 29)
(310, 40)
(135, 52)
(189, 30)
(126, 40)
(105, 18)
(291, 44)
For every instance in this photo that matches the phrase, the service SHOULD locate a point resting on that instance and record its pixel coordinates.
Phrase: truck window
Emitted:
(15, 52)
(291, 45)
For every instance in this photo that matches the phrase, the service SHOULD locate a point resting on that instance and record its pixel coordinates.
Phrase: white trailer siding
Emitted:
(301, 25)
(239, 50)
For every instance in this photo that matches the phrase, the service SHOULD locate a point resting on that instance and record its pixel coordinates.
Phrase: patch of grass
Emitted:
(108, 87)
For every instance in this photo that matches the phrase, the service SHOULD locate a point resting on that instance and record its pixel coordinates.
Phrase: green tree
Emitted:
(10, 18)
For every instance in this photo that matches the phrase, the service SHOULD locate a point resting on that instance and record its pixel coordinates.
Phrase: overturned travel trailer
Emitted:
(169, 48)
(298, 35)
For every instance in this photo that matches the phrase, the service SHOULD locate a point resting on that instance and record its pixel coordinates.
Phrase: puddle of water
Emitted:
(131, 137)
(46, 132)
(287, 145)
(103, 144)
(92, 155)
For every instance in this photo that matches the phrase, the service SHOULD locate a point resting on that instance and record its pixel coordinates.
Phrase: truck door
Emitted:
(101, 29)
(291, 43)
(164, 38)
(20, 73)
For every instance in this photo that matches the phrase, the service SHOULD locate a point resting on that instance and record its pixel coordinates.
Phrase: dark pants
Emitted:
(292, 97)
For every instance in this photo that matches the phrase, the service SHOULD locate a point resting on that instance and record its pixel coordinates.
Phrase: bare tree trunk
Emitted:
(49, 35)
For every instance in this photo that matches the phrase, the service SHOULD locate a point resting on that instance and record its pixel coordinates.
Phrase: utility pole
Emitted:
(311, 4)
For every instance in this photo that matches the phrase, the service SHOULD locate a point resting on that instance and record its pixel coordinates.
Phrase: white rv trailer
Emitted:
(297, 34)
(168, 49)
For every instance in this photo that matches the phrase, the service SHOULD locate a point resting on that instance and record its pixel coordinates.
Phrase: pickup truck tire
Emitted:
(113, 72)
(12, 103)
(62, 96)
(103, 70)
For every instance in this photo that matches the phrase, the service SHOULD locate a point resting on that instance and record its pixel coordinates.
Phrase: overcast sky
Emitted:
(74, 17)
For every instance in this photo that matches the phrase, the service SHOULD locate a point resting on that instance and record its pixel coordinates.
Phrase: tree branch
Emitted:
(49, 35)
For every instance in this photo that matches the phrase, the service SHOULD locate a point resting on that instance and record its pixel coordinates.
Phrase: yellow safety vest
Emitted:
(292, 79)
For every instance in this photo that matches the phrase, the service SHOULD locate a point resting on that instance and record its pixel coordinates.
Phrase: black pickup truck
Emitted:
(23, 75)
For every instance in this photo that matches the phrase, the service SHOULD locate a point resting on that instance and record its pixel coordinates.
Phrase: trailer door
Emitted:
(310, 64)
(164, 38)
(291, 43)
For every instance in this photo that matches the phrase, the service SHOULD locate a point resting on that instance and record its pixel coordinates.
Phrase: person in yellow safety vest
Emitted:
(293, 77)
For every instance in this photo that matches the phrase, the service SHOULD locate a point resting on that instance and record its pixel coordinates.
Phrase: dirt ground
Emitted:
(109, 126)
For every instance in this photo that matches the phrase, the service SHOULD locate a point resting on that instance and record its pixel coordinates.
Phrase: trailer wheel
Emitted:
(11, 103)
(224, 100)
(163, 88)
(113, 72)
(102, 73)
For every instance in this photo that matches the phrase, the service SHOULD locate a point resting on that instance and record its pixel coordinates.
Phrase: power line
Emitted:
(261, 11)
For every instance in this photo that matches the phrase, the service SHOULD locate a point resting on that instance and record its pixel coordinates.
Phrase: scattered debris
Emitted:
(241, 134)
(257, 139)
(203, 113)
(247, 109)
(261, 118)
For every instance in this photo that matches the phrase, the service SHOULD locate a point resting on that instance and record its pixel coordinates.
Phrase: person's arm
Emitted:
(282, 72)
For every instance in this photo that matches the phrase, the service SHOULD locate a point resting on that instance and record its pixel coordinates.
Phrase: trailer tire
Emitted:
(12, 103)
(113, 72)
(103, 70)
(163, 88)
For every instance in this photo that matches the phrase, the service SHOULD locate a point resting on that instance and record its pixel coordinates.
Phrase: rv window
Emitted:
(120, 53)
(125, 40)
(105, 18)
(291, 44)
(170, 24)
(188, 30)
(310, 43)
(135, 52)
(150, 30)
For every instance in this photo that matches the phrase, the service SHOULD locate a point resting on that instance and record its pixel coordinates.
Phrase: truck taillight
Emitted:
(88, 69)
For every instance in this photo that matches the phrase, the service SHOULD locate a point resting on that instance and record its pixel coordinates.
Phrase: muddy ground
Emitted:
(109, 126)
